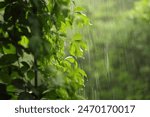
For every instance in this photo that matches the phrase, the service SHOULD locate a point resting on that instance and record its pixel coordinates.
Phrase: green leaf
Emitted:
(81, 19)
(4, 76)
(76, 50)
(2, 88)
(79, 9)
(18, 83)
(61, 92)
(72, 49)
(3, 93)
(11, 88)
(2, 5)
(7, 13)
(24, 42)
(50, 94)
(8, 59)
(77, 37)
(25, 96)
(25, 67)
(82, 72)
(30, 74)
(70, 59)
(10, 49)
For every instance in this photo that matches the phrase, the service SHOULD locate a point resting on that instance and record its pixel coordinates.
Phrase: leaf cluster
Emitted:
(35, 62)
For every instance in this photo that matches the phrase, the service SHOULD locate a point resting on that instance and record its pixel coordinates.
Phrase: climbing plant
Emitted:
(39, 49)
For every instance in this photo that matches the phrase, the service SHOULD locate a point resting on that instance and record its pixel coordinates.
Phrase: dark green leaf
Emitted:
(7, 13)
(5, 96)
(2, 88)
(4, 76)
(18, 83)
(3, 93)
(8, 59)
(30, 74)
(25, 67)
(25, 96)
(50, 94)
(2, 5)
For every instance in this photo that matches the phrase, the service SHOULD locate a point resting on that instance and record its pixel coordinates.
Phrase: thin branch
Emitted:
(35, 72)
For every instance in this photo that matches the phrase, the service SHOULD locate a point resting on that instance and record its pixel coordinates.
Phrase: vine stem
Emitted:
(35, 72)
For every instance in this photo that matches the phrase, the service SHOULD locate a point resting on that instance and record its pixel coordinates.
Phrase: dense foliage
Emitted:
(118, 59)
(39, 49)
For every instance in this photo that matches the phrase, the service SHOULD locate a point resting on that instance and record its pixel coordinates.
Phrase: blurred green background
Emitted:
(118, 58)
